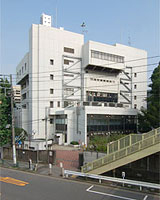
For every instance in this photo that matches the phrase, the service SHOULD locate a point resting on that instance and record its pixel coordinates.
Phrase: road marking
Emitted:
(90, 188)
(13, 181)
(111, 195)
(145, 197)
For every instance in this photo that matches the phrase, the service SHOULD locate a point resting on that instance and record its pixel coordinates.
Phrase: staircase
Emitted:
(125, 150)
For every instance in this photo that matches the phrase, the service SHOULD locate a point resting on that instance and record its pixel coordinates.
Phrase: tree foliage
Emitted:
(5, 112)
(5, 116)
(150, 118)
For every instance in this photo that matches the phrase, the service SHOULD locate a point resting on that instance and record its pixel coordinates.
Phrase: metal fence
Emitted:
(112, 179)
(124, 147)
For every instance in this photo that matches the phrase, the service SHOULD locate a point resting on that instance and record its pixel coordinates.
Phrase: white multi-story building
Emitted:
(72, 89)
(17, 94)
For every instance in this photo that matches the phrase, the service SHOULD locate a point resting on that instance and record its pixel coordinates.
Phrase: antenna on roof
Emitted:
(56, 18)
(129, 40)
(56, 15)
(83, 25)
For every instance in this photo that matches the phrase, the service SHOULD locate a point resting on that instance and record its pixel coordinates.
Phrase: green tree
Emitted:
(5, 112)
(150, 118)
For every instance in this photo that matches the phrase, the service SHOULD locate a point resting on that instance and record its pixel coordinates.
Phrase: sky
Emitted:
(129, 22)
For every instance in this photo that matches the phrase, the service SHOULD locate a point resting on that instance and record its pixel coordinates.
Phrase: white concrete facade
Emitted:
(17, 94)
(65, 81)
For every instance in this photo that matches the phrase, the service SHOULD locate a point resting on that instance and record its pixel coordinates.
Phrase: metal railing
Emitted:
(125, 147)
(112, 179)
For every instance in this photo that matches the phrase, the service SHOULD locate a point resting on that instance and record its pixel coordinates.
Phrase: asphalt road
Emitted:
(26, 186)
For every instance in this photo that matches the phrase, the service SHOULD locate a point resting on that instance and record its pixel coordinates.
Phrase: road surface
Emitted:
(17, 185)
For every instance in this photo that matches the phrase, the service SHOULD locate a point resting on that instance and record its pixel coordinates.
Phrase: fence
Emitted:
(112, 179)
(36, 156)
(124, 147)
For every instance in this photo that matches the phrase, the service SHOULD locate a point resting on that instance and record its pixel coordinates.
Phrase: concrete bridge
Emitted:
(125, 150)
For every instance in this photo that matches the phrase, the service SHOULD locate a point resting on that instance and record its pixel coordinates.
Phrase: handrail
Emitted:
(113, 179)
(152, 138)
(128, 140)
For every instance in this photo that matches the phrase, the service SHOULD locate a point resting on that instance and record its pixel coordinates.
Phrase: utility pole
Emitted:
(13, 125)
(46, 118)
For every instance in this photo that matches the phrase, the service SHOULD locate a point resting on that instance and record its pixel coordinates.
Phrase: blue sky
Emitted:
(108, 21)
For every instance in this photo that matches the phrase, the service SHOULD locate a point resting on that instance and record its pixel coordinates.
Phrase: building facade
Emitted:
(72, 90)
(17, 94)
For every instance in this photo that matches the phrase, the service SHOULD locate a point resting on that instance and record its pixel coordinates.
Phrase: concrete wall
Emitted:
(90, 156)
(36, 156)
(146, 169)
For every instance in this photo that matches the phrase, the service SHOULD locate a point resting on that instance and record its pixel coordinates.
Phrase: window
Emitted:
(51, 62)
(24, 106)
(22, 70)
(135, 74)
(67, 62)
(51, 121)
(135, 97)
(51, 104)
(58, 104)
(24, 96)
(135, 106)
(135, 86)
(69, 75)
(107, 56)
(25, 65)
(51, 76)
(51, 91)
(68, 50)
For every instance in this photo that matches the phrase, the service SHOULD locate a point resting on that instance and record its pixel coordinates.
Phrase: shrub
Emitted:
(99, 143)
(74, 142)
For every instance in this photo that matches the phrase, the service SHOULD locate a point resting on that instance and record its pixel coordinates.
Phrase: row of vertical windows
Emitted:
(102, 96)
(102, 80)
(107, 56)
(52, 104)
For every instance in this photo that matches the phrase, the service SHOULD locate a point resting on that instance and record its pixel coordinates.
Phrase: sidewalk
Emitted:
(24, 166)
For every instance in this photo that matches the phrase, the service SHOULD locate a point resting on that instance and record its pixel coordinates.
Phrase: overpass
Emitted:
(125, 150)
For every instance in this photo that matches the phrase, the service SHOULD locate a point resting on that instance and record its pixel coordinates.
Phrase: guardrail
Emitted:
(131, 145)
(112, 179)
